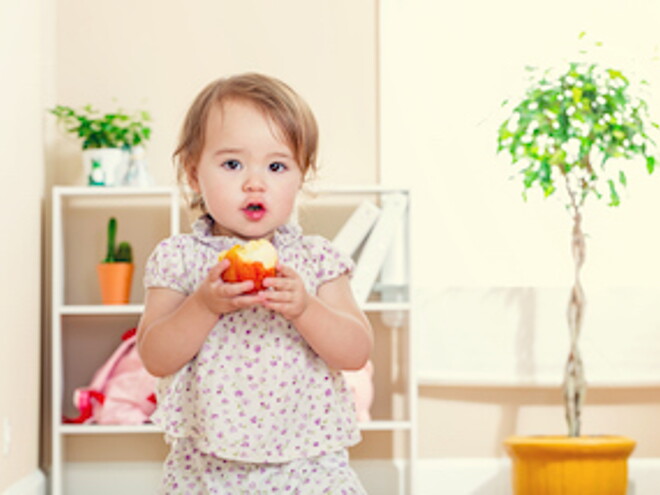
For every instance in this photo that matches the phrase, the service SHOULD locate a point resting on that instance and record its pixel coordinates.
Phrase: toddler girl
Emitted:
(251, 397)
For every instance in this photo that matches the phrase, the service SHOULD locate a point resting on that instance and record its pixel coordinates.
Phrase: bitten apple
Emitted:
(255, 260)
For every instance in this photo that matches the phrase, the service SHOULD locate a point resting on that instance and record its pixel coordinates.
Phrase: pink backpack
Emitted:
(121, 391)
(360, 383)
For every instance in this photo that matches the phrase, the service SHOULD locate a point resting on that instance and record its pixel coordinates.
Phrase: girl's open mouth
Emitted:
(255, 211)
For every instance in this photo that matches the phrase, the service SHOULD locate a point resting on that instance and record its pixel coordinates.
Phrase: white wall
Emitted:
(446, 69)
(21, 191)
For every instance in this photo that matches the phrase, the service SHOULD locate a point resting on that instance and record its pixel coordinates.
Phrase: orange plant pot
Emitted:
(115, 282)
(560, 465)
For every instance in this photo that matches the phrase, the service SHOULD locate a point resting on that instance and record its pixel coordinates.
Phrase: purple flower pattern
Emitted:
(188, 471)
(255, 391)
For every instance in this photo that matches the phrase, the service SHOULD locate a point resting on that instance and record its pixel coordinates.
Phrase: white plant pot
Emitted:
(137, 173)
(105, 166)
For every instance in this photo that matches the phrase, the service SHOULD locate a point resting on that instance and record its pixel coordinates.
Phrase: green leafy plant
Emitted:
(122, 253)
(577, 130)
(110, 130)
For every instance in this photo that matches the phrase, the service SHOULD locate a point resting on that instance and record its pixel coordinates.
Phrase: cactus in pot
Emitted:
(116, 270)
(123, 253)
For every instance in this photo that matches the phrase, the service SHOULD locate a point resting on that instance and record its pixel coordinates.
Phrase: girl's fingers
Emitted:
(242, 300)
(277, 296)
(237, 288)
(248, 300)
(216, 271)
(286, 271)
(224, 264)
(286, 279)
(279, 284)
(274, 306)
(229, 290)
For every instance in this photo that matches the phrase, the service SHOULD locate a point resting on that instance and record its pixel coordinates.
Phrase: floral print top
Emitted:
(255, 391)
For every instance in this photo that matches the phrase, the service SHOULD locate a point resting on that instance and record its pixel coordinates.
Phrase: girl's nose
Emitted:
(253, 182)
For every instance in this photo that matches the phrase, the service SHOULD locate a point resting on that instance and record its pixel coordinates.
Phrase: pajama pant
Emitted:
(188, 471)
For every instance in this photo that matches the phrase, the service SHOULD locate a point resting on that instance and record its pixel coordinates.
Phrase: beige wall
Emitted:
(21, 189)
(158, 55)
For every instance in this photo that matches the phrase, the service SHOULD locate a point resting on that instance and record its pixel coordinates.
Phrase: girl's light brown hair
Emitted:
(278, 101)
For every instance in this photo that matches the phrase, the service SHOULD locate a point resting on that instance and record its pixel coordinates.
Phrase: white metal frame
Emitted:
(61, 309)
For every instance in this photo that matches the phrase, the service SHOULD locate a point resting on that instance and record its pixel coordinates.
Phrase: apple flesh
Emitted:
(255, 260)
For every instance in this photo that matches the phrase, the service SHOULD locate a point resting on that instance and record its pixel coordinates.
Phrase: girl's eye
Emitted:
(277, 167)
(232, 164)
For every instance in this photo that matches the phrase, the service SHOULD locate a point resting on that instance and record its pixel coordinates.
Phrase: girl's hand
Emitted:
(221, 297)
(286, 293)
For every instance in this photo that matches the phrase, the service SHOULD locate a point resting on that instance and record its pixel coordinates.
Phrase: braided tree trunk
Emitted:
(574, 382)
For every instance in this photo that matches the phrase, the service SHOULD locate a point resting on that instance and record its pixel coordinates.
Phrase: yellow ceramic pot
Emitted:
(557, 465)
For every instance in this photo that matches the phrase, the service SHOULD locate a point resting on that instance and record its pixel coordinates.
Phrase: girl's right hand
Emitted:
(221, 297)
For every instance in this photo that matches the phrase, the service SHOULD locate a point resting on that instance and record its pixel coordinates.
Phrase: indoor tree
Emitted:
(578, 129)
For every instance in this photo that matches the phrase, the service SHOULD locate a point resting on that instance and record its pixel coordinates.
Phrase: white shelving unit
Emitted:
(68, 305)
(75, 208)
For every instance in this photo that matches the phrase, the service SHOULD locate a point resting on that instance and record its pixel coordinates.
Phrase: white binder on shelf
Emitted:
(376, 228)
(357, 227)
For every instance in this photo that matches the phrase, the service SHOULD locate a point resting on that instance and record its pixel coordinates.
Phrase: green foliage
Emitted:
(577, 125)
(110, 130)
(112, 234)
(120, 254)
(124, 253)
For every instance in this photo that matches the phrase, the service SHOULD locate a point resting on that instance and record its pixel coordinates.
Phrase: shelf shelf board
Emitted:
(385, 425)
(136, 309)
(101, 309)
(72, 429)
(92, 429)
(113, 191)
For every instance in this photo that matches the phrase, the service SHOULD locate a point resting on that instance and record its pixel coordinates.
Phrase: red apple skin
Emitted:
(241, 269)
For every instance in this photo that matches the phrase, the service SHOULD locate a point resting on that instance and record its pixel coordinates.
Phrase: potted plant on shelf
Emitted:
(115, 272)
(575, 130)
(107, 140)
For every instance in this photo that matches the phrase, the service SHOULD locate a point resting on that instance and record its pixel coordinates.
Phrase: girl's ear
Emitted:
(191, 174)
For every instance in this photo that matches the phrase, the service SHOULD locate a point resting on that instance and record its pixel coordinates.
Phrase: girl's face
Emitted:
(246, 174)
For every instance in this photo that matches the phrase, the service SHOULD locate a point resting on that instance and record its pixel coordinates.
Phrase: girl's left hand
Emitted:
(286, 293)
